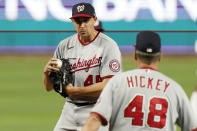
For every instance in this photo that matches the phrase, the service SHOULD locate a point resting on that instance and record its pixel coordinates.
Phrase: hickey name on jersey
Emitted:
(140, 81)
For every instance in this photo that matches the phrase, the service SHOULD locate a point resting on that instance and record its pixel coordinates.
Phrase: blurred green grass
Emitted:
(26, 106)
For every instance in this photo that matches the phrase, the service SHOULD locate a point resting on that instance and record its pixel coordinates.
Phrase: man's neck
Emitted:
(88, 39)
(153, 66)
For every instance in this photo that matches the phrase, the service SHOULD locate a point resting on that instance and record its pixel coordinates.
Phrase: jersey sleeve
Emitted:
(187, 121)
(59, 52)
(193, 101)
(103, 107)
(111, 62)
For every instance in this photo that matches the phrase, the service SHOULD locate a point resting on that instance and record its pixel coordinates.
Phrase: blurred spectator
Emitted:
(98, 26)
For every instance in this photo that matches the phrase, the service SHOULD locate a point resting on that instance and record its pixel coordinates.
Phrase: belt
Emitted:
(82, 104)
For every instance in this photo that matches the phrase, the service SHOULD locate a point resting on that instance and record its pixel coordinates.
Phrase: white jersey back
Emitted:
(92, 62)
(145, 99)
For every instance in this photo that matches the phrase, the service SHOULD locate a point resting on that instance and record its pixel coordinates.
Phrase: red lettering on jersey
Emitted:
(158, 83)
(98, 78)
(194, 129)
(146, 82)
(86, 64)
(74, 66)
(94, 60)
(130, 81)
(79, 63)
(166, 86)
(150, 83)
(136, 81)
(141, 85)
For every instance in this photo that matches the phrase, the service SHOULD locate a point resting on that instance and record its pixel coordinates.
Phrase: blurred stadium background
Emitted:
(31, 30)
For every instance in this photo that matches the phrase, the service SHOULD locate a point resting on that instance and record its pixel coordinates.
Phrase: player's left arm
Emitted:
(92, 90)
(101, 114)
(110, 66)
(92, 123)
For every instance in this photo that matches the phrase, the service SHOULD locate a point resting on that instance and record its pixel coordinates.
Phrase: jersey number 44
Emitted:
(90, 80)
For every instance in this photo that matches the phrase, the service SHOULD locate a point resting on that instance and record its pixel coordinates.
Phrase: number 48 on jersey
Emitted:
(156, 118)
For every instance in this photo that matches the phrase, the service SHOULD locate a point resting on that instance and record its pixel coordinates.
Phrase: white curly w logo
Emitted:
(80, 8)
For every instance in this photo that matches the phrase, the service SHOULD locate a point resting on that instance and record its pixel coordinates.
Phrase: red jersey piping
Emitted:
(109, 76)
(104, 120)
(147, 68)
(88, 42)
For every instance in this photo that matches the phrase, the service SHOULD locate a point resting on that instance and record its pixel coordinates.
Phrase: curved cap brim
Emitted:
(81, 15)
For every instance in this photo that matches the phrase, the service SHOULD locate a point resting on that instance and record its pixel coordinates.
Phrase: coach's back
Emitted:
(145, 99)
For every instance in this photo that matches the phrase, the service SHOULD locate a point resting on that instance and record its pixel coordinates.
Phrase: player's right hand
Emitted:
(51, 66)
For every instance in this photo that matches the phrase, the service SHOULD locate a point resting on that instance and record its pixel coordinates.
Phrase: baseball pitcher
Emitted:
(93, 59)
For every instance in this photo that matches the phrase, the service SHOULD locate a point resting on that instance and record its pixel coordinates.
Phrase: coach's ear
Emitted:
(134, 54)
(95, 19)
(161, 56)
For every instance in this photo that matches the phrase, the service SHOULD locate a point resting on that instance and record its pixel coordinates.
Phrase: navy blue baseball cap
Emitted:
(83, 10)
(148, 42)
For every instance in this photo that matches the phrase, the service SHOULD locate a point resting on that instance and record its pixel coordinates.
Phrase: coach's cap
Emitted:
(83, 10)
(148, 42)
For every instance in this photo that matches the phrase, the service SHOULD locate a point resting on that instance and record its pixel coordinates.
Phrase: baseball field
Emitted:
(26, 106)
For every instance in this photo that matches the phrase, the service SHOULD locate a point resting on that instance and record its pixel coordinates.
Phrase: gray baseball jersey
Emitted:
(90, 63)
(144, 99)
(193, 101)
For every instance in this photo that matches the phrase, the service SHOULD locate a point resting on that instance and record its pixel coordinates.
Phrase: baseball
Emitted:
(59, 63)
